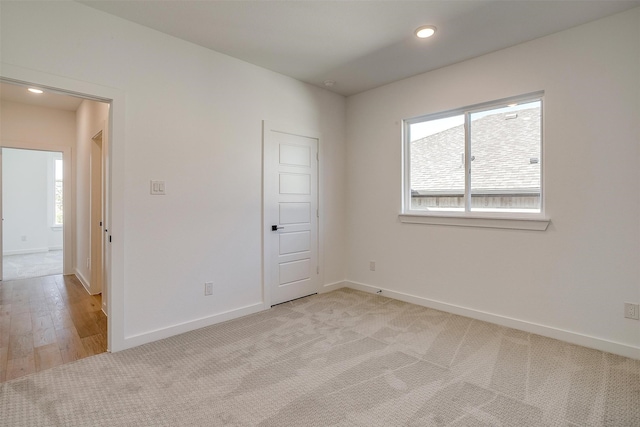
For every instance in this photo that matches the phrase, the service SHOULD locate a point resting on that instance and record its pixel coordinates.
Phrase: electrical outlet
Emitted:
(372, 265)
(631, 311)
(208, 288)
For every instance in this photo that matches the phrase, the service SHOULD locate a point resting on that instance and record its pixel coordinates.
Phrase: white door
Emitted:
(95, 213)
(291, 214)
(106, 225)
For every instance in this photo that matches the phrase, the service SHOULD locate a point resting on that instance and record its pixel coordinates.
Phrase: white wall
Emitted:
(193, 118)
(568, 281)
(30, 124)
(91, 118)
(27, 181)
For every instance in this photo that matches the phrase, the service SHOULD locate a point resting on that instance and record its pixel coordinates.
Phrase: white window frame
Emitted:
(467, 218)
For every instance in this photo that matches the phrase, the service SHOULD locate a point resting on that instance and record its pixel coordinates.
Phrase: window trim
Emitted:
(469, 218)
(512, 223)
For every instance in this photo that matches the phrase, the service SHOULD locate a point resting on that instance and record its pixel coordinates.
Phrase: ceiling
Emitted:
(15, 93)
(358, 44)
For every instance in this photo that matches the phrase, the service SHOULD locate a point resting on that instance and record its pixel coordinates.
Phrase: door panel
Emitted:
(295, 271)
(291, 183)
(295, 213)
(291, 243)
(295, 155)
(291, 203)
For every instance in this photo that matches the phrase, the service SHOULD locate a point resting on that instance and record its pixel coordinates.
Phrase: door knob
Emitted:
(276, 228)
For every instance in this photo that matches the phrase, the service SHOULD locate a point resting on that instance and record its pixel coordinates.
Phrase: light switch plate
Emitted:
(157, 188)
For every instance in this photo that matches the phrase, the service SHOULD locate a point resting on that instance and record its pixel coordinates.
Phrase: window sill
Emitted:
(56, 227)
(534, 224)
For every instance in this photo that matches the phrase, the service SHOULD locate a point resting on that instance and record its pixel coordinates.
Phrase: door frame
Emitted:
(67, 200)
(115, 171)
(267, 181)
(96, 212)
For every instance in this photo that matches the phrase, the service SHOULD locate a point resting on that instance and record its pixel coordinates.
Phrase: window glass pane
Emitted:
(58, 167)
(58, 192)
(437, 164)
(505, 159)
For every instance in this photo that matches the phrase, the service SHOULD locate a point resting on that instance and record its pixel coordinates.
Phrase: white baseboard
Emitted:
(147, 337)
(333, 286)
(25, 251)
(83, 280)
(535, 328)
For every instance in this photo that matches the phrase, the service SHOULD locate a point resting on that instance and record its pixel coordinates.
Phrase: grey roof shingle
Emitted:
(501, 150)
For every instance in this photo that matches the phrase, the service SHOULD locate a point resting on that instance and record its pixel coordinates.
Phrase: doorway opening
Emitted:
(32, 212)
(64, 316)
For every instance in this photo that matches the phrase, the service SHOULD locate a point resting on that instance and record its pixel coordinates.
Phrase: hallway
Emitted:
(48, 321)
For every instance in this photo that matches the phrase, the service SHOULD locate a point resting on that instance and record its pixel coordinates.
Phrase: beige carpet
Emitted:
(31, 265)
(344, 358)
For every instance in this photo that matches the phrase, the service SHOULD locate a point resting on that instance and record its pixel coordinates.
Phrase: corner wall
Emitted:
(569, 282)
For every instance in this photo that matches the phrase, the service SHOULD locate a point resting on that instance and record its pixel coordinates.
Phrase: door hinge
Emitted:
(317, 156)
(318, 270)
(317, 213)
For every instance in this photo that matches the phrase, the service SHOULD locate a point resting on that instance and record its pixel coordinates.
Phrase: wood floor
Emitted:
(47, 321)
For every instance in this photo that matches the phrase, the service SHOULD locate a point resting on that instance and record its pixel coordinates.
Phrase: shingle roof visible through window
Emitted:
(502, 151)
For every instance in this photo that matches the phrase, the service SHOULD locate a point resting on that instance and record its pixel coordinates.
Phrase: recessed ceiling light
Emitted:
(425, 31)
(34, 90)
(329, 83)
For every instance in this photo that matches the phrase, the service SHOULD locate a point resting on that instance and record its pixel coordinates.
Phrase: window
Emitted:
(479, 161)
(57, 193)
